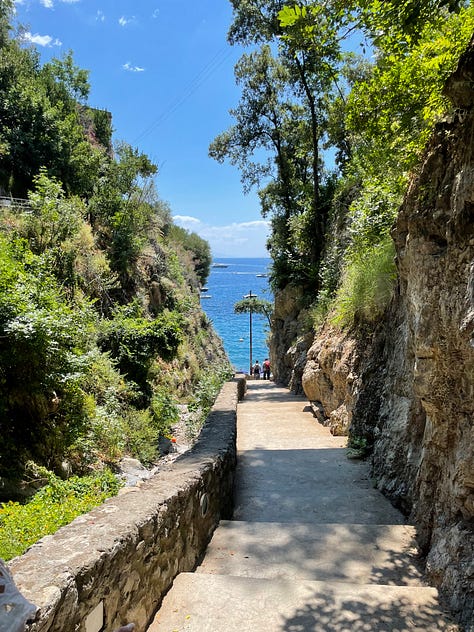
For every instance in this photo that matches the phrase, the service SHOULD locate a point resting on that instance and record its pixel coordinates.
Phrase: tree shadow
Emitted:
(389, 612)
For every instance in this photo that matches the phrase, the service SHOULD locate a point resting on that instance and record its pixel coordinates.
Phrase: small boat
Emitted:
(204, 289)
(220, 265)
(206, 296)
(241, 339)
(261, 276)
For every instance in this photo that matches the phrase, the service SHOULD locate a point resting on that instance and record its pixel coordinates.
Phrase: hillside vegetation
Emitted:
(101, 331)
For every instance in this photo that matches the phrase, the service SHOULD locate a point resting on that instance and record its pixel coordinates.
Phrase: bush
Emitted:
(204, 396)
(53, 506)
(134, 342)
(366, 286)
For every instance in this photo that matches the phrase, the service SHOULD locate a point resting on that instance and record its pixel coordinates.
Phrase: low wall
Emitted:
(113, 565)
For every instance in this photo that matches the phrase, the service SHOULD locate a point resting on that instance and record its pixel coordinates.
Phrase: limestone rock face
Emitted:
(285, 330)
(435, 245)
(420, 379)
(328, 379)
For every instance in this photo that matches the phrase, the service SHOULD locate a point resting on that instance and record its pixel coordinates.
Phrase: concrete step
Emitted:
(363, 554)
(216, 603)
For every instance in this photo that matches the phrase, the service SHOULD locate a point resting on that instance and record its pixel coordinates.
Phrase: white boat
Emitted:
(220, 265)
(261, 276)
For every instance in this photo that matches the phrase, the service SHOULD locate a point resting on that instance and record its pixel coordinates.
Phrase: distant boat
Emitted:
(220, 265)
(204, 289)
(262, 276)
(206, 296)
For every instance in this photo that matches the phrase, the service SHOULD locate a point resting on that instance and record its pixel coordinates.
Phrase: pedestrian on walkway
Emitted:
(256, 370)
(266, 369)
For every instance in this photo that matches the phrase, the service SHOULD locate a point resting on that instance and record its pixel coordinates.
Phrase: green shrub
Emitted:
(134, 342)
(204, 396)
(366, 286)
(164, 411)
(141, 435)
(53, 506)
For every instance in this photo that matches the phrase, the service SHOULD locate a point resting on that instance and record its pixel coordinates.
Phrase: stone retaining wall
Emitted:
(113, 565)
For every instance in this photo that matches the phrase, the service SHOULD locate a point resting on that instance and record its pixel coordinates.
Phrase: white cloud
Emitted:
(49, 4)
(183, 220)
(244, 239)
(41, 40)
(100, 16)
(123, 21)
(155, 13)
(128, 66)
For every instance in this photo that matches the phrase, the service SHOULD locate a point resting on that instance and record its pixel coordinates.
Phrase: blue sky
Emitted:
(164, 70)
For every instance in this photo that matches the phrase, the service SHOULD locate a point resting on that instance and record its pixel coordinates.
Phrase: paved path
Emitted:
(312, 546)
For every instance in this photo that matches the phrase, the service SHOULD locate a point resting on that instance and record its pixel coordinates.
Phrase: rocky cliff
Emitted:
(407, 389)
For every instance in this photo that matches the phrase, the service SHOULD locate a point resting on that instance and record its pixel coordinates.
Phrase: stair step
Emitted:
(364, 554)
(216, 603)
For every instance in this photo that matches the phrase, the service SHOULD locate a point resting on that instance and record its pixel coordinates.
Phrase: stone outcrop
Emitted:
(112, 566)
(288, 345)
(408, 389)
(328, 379)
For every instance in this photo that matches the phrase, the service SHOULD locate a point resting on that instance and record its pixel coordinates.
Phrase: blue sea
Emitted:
(226, 286)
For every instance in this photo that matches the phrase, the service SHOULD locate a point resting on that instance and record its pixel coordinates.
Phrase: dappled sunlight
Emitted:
(362, 613)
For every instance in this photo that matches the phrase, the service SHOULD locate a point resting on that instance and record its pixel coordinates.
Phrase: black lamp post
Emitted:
(250, 295)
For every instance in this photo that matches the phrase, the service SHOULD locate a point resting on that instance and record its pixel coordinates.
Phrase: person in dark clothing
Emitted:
(256, 370)
(266, 369)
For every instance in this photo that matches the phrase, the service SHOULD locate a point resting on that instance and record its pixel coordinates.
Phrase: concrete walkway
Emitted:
(312, 547)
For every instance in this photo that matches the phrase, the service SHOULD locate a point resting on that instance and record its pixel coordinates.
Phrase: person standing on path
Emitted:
(256, 370)
(266, 369)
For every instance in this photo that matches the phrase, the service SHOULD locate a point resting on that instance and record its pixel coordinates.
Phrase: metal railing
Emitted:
(15, 203)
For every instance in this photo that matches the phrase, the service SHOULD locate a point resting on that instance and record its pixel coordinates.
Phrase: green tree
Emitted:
(255, 306)
(284, 110)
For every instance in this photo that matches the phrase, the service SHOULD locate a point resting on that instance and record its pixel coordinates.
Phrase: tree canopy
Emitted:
(329, 135)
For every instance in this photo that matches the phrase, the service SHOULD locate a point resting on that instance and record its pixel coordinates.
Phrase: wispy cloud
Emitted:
(186, 219)
(100, 16)
(123, 21)
(41, 40)
(236, 239)
(129, 68)
(49, 4)
(155, 13)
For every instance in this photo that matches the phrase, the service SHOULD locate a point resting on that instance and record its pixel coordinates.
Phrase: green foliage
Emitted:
(204, 396)
(102, 127)
(302, 95)
(256, 306)
(134, 341)
(197, 246)
(53, 218)
(164, 411)
(54, 505)
(357, 447)
(367, 285)
(41, 349)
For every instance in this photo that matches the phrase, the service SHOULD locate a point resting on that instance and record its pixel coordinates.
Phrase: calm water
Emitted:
(226, 287)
